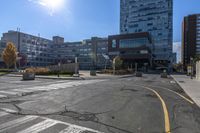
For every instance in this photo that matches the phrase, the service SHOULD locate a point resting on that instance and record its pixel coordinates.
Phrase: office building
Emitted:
(132, 48)
(44, 52)
(155, 17)
(58, 40)
(2, 46)
(89, 52)
(190, 38)
(41, 52)
(37, 50)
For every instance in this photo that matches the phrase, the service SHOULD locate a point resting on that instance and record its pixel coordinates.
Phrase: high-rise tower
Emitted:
(153, 16)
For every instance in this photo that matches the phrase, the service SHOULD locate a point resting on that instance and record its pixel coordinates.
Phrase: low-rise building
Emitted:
(89, 52)
(44, 52)
(2, 47)
(36, 49)
(132, 48)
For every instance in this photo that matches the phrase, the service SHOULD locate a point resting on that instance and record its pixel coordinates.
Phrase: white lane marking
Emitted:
(17, 122)
(188, 100)
(22, 90)
(3, 114)
(8, 110)
(67, 124)
(62, 85)
(39, 127)
(9, 92)
(72, 130)
(3, 96)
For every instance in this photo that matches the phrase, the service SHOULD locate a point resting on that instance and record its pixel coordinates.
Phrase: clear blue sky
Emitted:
(78, 19)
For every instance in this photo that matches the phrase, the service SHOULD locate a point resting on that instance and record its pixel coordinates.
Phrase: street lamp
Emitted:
(76, 68)
(191, 63)
(59, 64)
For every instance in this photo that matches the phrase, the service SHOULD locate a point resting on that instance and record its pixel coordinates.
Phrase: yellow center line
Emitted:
(190, 101)
(166, 114)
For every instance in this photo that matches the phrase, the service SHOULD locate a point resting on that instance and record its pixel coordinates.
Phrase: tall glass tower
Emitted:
(153, 16)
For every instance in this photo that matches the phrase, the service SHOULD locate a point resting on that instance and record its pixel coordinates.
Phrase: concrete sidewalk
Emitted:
(190, 86)
(48, 77)
(84, 75)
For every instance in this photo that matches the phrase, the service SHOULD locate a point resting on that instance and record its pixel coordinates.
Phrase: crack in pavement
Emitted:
(86, 116)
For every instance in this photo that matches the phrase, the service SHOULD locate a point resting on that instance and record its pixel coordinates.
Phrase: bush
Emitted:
(5, 70)
(118, 72)
(46, 71)
(38, 70)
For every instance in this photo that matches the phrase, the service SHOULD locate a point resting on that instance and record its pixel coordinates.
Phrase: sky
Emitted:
(76, 20)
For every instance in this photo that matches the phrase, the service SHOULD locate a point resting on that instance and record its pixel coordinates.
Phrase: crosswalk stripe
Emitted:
(3, 114)
(61, 85)
(22, 90)
(47, 123)
(39, 127)
(3, 96)
(8, 110)
(71, 130)
(17, 122)
(9, 92)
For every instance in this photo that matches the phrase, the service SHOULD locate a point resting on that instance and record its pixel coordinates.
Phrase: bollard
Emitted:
(93, 73)
(28, 76)
(138, 74)
(164, 75)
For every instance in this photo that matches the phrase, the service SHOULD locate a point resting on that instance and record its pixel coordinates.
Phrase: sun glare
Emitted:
(52, 5)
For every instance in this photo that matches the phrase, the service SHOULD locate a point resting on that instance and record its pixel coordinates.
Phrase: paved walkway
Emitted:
(190, 86)
(84, 75)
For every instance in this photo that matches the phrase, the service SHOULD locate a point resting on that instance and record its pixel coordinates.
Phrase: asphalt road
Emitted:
(116, 105)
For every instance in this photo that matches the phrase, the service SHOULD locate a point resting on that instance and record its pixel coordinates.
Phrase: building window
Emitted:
(150, 24)
(114, 44)
(133, 43)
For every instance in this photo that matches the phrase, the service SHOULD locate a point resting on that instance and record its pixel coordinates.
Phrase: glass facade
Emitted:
(198, 35)
(153, 16)
(114, 44)
(133, 43)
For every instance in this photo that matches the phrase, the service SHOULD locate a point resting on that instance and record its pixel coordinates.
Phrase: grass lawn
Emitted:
(2, 73)
(61, 75)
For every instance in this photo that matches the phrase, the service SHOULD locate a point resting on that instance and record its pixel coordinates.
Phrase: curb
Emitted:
(55, 78)
(79, 78)
(184, 90)
(3, 74)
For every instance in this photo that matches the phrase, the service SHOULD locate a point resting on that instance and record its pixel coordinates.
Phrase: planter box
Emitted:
(28, 76)
(93, 73)
(138, 74)
(164, 75)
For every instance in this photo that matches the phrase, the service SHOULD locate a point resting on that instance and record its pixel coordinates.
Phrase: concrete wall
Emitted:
(198, 70)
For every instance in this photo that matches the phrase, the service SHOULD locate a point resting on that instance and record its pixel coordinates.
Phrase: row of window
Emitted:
(133, 43)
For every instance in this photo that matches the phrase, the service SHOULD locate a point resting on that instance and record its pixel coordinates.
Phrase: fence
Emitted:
(72, 67)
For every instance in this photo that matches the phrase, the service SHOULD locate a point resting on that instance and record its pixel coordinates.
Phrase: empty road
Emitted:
(111, 105)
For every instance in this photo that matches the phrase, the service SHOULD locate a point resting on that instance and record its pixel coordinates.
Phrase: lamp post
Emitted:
(191, 63)
(76, 68)
(114, 67)
(59, 64)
